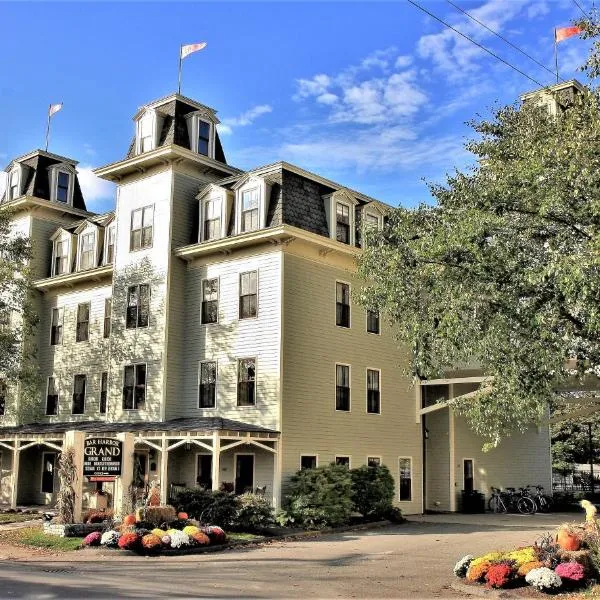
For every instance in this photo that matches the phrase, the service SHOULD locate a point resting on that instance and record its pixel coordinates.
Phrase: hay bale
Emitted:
(158, 514)
(583, 557)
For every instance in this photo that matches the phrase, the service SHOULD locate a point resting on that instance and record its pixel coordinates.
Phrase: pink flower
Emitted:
(92, 539)
(572, 571)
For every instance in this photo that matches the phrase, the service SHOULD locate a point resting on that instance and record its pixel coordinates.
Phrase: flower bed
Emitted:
(139, 535)
(565, 560)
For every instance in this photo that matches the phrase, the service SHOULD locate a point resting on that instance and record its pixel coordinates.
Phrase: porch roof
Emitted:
(181, 424)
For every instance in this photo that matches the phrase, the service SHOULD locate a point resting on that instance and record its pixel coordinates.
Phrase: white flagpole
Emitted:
(556, 55)
(180, 64)
(48, 127)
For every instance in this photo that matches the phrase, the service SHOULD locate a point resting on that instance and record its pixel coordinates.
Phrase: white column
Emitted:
(277, 458)
(216, 461)
(74, 439)
(418, 402)
(164, 471)
(451, 453)
(123, 483)
(15, 474)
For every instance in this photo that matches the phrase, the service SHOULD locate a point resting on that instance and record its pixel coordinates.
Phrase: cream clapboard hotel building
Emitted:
(208, 323)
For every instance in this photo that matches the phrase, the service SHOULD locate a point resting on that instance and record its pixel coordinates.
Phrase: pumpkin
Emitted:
(129, 520)
(567, 540)
(182, 516)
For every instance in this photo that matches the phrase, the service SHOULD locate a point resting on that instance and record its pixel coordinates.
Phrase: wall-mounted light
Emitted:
(426, 433)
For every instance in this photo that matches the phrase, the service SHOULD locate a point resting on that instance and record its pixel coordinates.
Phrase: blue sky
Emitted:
(372, 95)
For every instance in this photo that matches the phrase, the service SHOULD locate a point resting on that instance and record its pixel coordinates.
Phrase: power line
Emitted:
(537, 62)
(476, 43)
(581, 9)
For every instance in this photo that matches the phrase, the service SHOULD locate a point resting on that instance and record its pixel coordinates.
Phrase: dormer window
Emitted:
(342, 231)
(146, 134)
(371, 221)
(61, 257)
(14, 185)
(212, 219)
(62, 187)
(203, 137)
(109, 248)
(249, 217)
(87, 251)
(148, 127)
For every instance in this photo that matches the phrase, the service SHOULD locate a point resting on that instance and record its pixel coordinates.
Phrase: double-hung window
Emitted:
(373, 461)
(103, 392)
(342, 387)
(373, 392)
(52, 397)
(342, 304)
(87, 248)
(249, 216)
(142, 222)
(344, 461)
(372, 321)
(56, 329)
(248, 295)
(82, 333)
(107, 316)
(212, 219)
(210, 301)
(203, 137)
(246, 392)
(207, 386)
(138, 306)
(405, 477)
(110, 246)
(308, 461)
(13, 188)
(3, 396)
(61, 257)
(342, 223)
(79, 386)
(134, 387)
(146, 134)
(63, 181)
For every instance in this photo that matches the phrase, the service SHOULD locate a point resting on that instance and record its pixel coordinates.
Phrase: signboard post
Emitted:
(102, 458)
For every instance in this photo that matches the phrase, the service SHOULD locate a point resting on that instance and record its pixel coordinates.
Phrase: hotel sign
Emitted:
(102, 458)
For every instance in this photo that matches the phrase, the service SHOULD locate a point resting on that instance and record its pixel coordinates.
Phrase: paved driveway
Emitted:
(413, 560)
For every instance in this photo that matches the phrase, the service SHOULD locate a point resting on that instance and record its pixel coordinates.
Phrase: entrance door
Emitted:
(140, 469)
(48, 468)
(468, 478)
(204, 478)
(244, 473)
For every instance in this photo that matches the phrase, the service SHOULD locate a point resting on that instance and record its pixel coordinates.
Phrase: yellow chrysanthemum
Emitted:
(191, 530)
(159, 532)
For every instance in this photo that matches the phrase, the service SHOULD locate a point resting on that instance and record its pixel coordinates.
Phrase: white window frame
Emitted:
(412, 477)
(18, 171)
(80, 236)
(67, 170)
(342, 327)
(100, 392)
(370, 213)
(193, 121)
(240, 295)
(202, 299)
(148, 116)
(303, 454)
(263, 192)
(237, 381)
(378, 457)
(54, 475)
(367, 323)
(131, 230)
(337, 410)
(84, 394)
(89, 321)
(341, 196)
(62, 324)
(462, 464)
(112, 230)
(128, 410)
(220, 198)
(65, 240)
(200, 363)
(348, 456)
(57, 394)
(367, 369)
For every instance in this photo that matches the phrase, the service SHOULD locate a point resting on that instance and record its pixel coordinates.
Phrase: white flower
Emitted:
(543, 579)
(462, 566)
(179, 539)
(110, 538)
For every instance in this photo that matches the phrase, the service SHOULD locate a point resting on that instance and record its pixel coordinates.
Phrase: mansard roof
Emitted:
(174, 109)
(38, 175)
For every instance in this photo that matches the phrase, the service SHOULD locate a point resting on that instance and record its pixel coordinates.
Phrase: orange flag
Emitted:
(563, 33)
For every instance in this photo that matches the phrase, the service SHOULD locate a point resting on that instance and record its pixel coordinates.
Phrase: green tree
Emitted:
(504, 270)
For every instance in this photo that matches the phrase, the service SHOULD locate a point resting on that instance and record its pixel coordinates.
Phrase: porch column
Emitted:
(216, 461)
(15, 474)
(74, 440)
(122, 498)
(452, 456)
(277, 475)
(164, 471)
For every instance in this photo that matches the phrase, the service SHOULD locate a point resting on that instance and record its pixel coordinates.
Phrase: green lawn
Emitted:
(35, 537)
(17, 517)
(243, 537)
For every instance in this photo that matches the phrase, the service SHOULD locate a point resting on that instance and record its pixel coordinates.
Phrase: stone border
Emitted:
(71, 530)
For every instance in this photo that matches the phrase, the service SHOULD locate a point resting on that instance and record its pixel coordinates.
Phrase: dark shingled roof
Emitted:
(182, 424)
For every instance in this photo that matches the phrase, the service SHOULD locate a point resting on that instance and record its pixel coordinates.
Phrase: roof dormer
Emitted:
(62, 183)
(148, 127)
(15, 182)
(201, 125)
(89, 239)
(252, 196)
(215, 210)
(62, 252)
(340, 214)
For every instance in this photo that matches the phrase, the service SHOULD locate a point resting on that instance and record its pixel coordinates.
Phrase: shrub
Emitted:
(320, 497)
(543, 579)
(573, 572)
(498, 575)
(394, 515)
(208, 506)
(129, 541)
(462, 566)
(254, 512)
(93, 539)
(372, 490)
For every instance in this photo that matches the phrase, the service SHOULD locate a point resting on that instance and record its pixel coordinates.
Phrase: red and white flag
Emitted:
(54, 108)
(563, 33)
(191, 48)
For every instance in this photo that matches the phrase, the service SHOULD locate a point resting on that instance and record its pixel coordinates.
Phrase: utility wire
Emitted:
(581, 9)
(416, 5)
(537, 62)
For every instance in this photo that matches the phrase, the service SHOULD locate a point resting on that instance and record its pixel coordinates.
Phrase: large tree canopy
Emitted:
(504, 271)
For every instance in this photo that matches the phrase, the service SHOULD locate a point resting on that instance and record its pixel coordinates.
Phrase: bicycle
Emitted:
(496, 503)
(543, 502)
(502, 502)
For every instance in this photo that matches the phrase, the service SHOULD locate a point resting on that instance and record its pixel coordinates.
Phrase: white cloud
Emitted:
(89, 150)
(403, 61)
(246, 118)
(327, 98)
(95, 191)
(312, 87)
(538, 9)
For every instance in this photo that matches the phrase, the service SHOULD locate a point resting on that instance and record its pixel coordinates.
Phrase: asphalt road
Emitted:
(413, 560)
